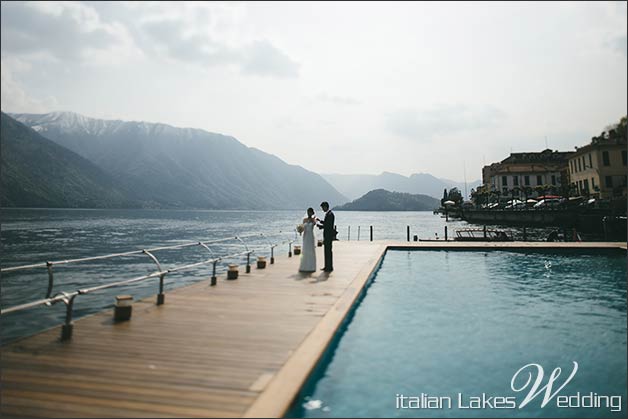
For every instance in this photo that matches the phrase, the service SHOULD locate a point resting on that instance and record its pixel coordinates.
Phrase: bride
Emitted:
(308, 250)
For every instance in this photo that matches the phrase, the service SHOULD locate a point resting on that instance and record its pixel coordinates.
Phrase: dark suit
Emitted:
(328, 236)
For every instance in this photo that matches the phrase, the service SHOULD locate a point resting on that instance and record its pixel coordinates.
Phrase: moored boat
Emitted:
(472, 234)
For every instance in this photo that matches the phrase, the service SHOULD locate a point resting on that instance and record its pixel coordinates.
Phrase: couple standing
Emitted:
(308, 250)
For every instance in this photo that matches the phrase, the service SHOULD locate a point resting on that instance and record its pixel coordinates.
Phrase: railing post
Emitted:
(445, 233)
(371, 228)
(408, 232)
(358, 233)
(161, 297)
(213, 281)
(525, 234)
(349, 233)
(50, 279)
(290, 249)
(484, 231)
(67, 328)
(248, 263)
(272, 248)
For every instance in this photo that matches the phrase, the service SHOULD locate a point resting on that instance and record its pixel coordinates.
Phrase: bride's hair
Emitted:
(310, 212)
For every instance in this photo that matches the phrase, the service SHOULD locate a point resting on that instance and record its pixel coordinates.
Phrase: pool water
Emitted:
(460, 324)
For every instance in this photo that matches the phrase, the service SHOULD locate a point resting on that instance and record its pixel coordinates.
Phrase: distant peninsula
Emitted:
(383, 200)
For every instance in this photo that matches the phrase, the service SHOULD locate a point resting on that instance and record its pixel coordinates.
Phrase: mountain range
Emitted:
(36, 172)
(64, 159)
(354, 186)
(161, 166)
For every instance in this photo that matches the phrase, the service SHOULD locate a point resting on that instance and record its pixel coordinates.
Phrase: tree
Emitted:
(567, 189)
(475, 195)
(455, 196)
(514, 192)
(479, 196)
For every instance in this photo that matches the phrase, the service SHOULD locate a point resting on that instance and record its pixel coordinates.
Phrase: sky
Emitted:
(350, 88)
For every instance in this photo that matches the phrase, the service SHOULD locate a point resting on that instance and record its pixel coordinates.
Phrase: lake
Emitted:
(38, 235)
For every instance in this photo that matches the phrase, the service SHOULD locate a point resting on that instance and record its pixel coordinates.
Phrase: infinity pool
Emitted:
(442, 333)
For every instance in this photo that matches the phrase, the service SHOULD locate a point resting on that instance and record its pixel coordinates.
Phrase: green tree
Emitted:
(455, 196)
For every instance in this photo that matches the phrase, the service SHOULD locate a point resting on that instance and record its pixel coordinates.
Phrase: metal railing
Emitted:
(68, 297)
(359, 231)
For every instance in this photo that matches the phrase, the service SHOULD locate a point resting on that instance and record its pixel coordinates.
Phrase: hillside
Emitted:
(36, 172)
(169, 167)
(383, 200)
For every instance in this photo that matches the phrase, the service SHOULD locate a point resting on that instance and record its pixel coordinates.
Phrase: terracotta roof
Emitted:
(545, 156)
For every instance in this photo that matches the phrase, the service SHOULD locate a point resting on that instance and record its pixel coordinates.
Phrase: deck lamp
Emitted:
(123, 308)
(232, 273)
(261, 262)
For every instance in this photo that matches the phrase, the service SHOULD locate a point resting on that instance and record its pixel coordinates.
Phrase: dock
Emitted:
(241, 348)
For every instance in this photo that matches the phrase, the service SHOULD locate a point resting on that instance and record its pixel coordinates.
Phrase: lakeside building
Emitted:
(529, 174)
(599, 168)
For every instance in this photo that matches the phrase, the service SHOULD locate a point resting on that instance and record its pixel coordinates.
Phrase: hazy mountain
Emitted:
(353, 186)
(36, 172)
(173, 167)
(383, 200)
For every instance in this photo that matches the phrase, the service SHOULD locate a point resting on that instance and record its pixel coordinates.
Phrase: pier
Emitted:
(240, 348)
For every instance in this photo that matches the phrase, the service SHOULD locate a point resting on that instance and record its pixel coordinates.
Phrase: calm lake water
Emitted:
(39, 235)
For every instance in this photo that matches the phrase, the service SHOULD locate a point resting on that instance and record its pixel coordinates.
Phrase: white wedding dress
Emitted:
(308, 250)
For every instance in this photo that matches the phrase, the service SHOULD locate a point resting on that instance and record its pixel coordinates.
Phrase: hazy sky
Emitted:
(333, 87)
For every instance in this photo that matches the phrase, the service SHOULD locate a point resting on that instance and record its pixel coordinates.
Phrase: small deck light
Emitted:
(297, 250)
(261, 262)
(123, 308)
(232, 273)
(320, 243)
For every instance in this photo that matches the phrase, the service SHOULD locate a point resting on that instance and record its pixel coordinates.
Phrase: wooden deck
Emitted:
(208, 351)
(241, 348)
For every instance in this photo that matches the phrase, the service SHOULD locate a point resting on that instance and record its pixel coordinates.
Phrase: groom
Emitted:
(328, 235)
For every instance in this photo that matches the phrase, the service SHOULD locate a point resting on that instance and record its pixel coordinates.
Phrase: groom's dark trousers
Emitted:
(328, 237)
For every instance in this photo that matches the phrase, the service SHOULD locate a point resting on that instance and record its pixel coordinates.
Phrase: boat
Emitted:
(481, 235)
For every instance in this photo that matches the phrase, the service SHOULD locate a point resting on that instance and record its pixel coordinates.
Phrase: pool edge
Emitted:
(279, 394)
(506, 245)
